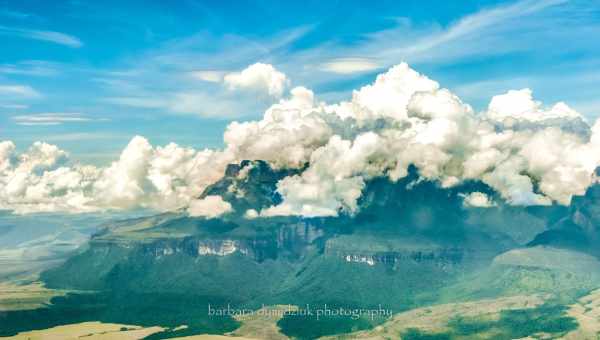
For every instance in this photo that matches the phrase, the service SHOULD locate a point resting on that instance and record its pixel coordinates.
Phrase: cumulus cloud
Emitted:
(517, 146)
(251, 213)
(478, 199)
(210, 206)
(518, 106)
(163, 178)
(388, 96)
(6, 150)
(287, 135)
(258, 77)
(412, 121)
(334, 179)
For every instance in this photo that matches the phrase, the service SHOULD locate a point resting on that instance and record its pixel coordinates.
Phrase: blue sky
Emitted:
(100, 72)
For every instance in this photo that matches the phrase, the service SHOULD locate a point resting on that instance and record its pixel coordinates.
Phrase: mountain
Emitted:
(412, 243)
(579, 229)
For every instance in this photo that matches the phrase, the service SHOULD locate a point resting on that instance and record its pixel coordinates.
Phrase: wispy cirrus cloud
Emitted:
(38, 68)
(467, 49)
(488, 21)
(20, 91)
(52, 118)
(14, 106)
(184, 77)
(83, 136)
(42, 35)
(15, 14)
(210, 76)
(491, 31)
(138, 101)
(349, 65)
(207, 105)
(487, 33)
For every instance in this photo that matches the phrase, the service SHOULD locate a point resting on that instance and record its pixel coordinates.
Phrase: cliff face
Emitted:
(409, 240)
(288, 242)
(293, 263)
(443, 258)
(579, 228)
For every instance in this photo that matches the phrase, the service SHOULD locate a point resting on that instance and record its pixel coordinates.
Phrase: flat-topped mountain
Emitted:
(411, 243)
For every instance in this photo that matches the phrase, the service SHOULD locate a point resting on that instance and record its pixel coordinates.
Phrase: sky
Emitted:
(117, 105)
(87, 76)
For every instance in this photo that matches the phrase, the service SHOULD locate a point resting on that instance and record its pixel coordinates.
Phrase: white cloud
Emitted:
(390, 93)
(493, 30)
(162, 178)
(14, 106)
(286, 136)
(6, 150)
(50, 36)
(53, 118)
(31, 68)
(210, 206)
(333, 182)
(258, 77)
(476, 23)
(432, 129)
(21, 91)
(202, 104)
(122, 184)
(349, 65)
(212, 105)
(478, 199)
(141, 102)
(250, 214)
(402, 119)
(520, 106)
(158, 77)
(209, 76)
